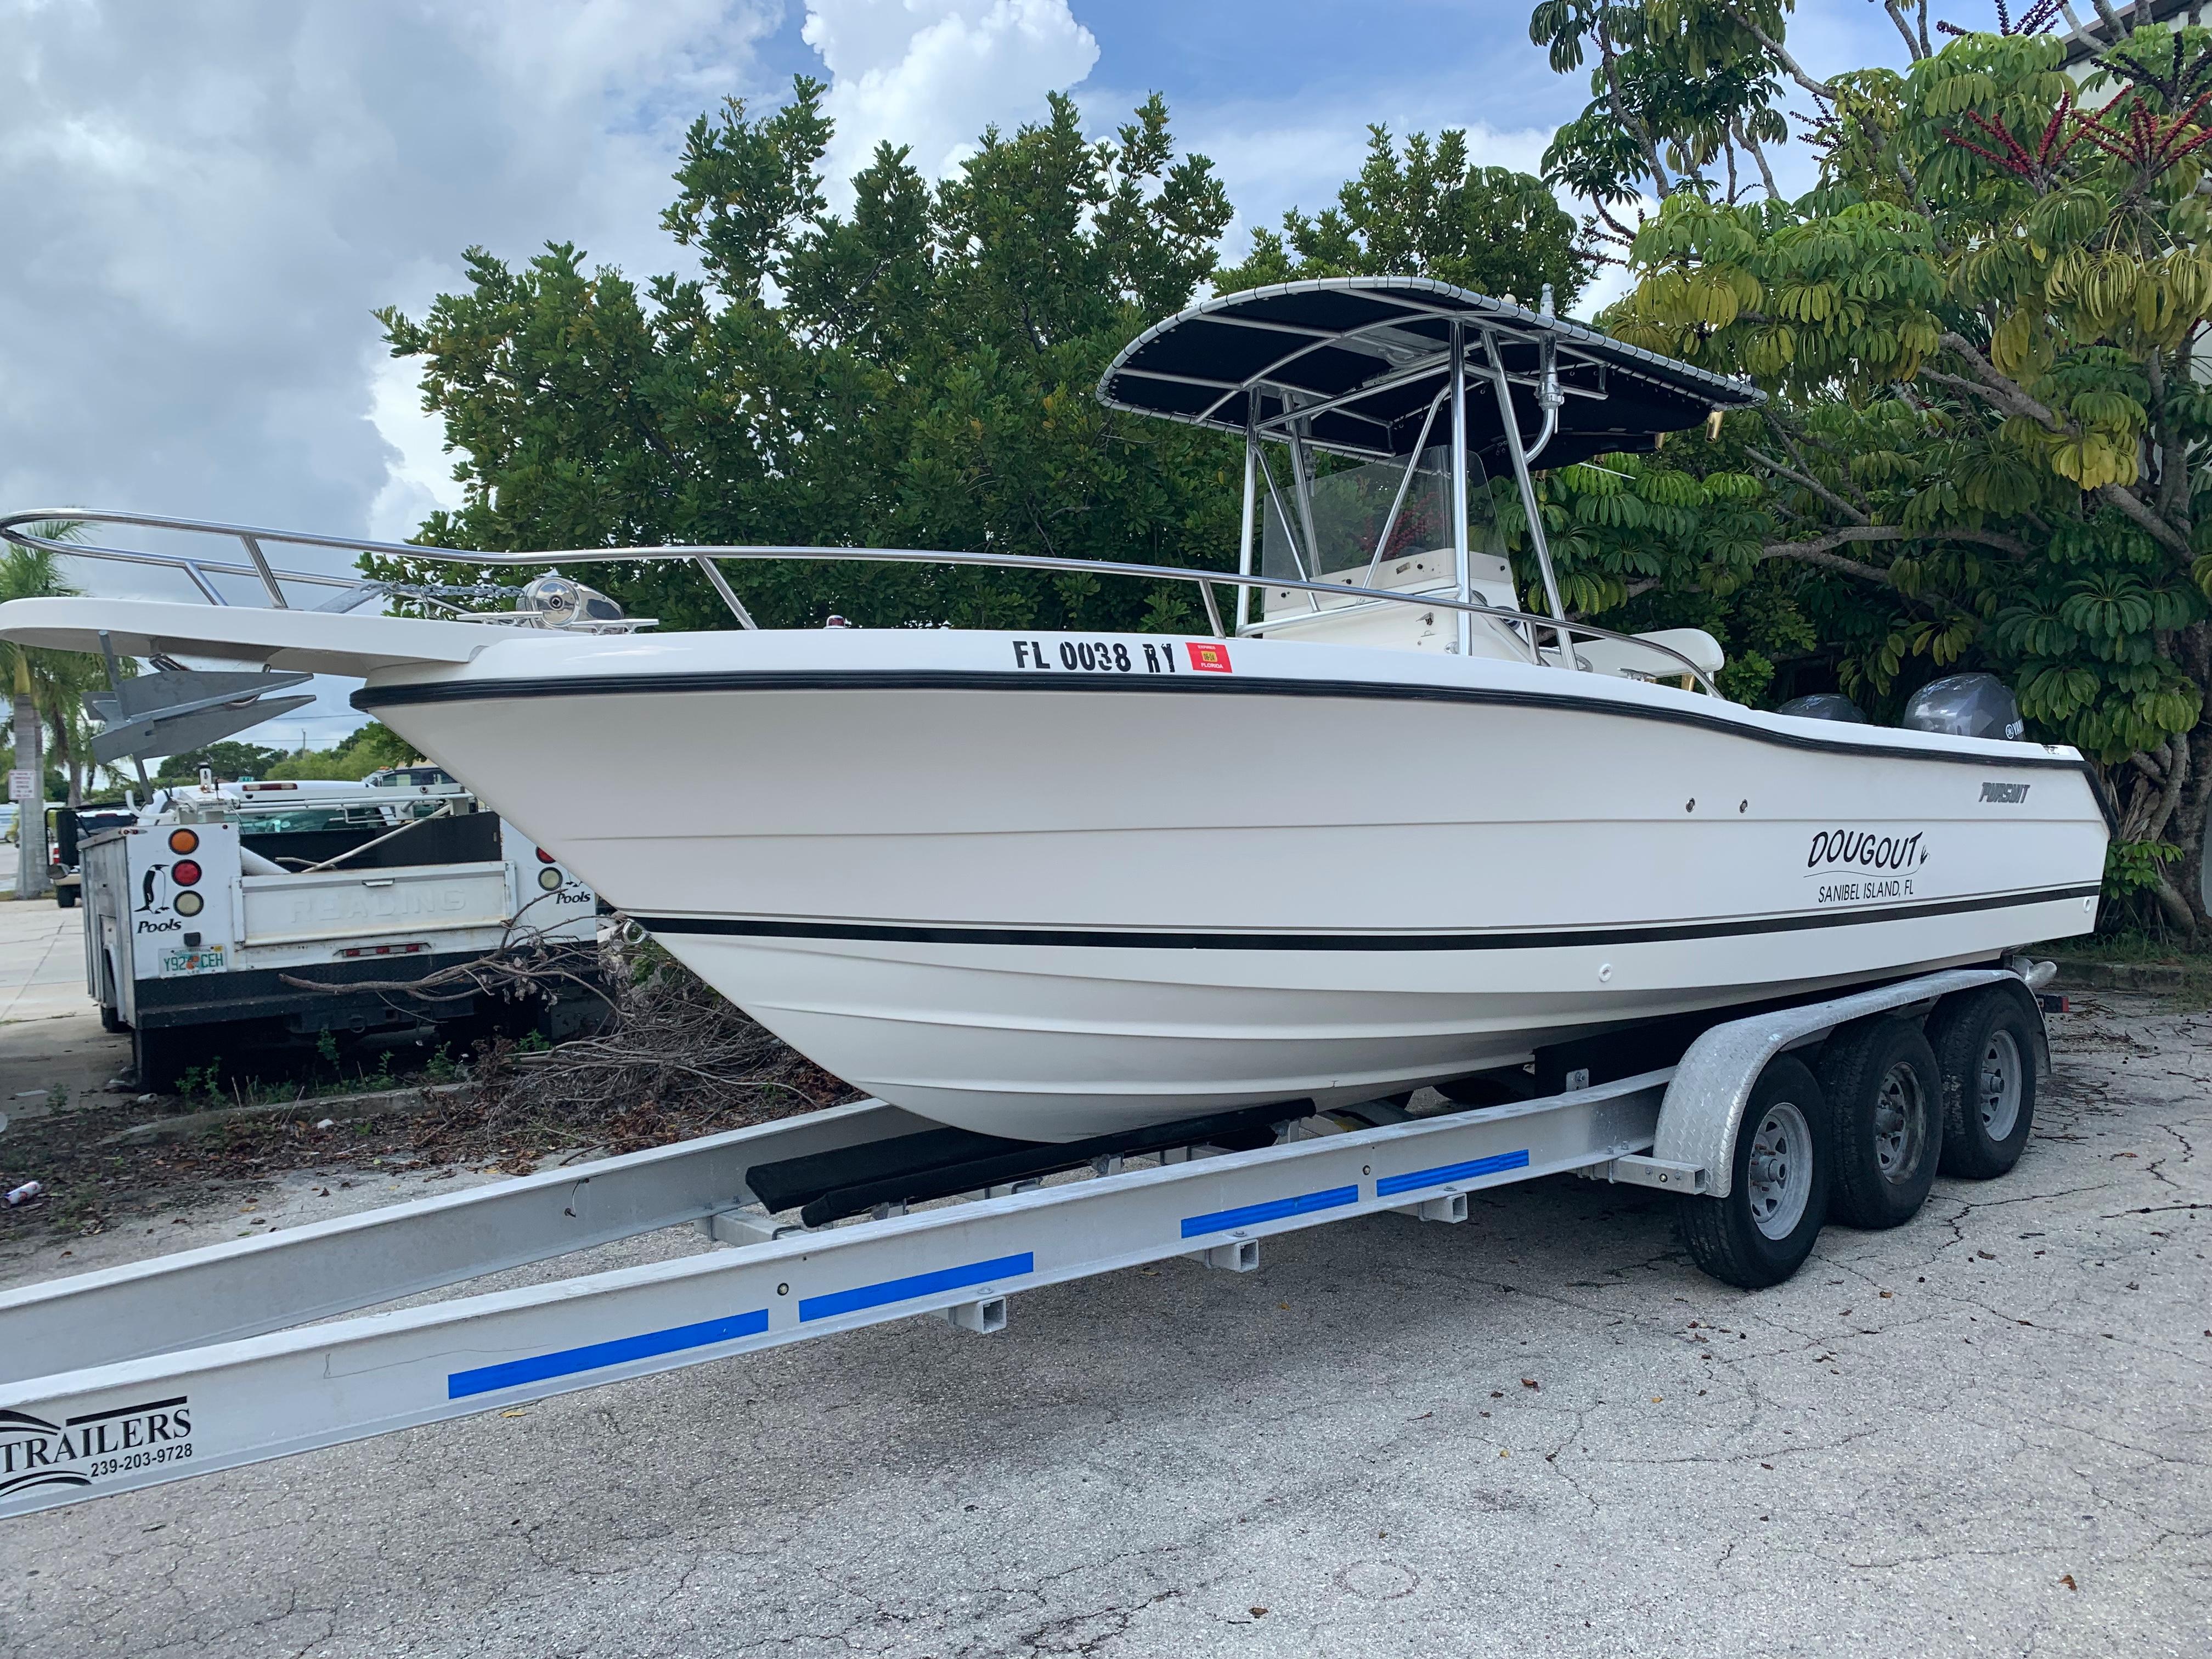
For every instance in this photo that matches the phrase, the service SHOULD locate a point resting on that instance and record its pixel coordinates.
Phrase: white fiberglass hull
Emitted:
(1047, 901)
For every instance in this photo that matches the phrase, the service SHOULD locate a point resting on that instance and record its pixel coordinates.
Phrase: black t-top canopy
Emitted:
(1367, 357)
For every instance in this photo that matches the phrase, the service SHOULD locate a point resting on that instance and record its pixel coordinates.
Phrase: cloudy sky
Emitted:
(205, 202)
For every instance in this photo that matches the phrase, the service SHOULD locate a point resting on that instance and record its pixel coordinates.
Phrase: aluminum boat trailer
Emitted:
(205, 1360)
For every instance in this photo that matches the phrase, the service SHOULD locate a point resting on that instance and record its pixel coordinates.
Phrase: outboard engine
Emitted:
(562, 601)
(1966, 706)
(1825, 706)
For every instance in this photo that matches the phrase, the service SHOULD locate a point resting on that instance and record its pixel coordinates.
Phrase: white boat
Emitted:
(1380, 832)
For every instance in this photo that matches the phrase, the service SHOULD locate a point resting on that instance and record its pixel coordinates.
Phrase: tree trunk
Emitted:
(2186, 827)
(31, 872)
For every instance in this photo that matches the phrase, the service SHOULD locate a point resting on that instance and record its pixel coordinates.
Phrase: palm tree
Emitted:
(44, 685)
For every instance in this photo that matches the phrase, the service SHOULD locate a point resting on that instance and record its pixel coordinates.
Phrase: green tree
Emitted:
(916, 373)
(229, 760)
(1989, 433)
(1424, 212)
(1676, 87)
(45, 687)
(365, 749)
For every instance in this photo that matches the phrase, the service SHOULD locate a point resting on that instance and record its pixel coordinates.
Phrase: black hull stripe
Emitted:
(1553, 938)
(371, 698)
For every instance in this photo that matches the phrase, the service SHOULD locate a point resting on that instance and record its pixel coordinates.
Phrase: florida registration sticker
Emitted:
(1209, 656)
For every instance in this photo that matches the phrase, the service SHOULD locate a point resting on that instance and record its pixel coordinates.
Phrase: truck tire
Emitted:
(111, 1016)
(1763, 1230)
(65, 896)
(1885, 1089)
(1986, 1043)
(160, 1058)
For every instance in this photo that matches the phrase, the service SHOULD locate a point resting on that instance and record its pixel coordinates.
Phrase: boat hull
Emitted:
(1050, 903)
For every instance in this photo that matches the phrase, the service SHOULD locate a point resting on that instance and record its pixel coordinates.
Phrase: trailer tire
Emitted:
(65, 897)
(1986, 1043)
(1885, 1089)
(1763, 1230)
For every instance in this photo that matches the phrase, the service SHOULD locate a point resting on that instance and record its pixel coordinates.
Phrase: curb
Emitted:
(2089, 974)
(384, 1103)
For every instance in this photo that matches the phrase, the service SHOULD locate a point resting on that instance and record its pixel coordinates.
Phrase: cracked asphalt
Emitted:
(1984, 1433)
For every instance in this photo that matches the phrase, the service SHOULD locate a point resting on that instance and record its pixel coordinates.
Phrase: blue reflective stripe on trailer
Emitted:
(1274, 1210)
(1387, 1185)
(904, 1290)
(595, 1355)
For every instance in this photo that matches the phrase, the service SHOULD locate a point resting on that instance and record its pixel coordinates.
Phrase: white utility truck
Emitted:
(199, 917)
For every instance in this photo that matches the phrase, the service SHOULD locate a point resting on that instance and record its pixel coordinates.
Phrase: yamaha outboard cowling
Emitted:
(1825, 706)
(1966, 706)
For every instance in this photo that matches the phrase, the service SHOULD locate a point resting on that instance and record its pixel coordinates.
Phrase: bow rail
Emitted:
(352, 592)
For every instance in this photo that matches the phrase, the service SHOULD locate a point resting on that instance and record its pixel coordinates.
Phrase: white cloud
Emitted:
(932, 74)
(206, 202)
(418, 473)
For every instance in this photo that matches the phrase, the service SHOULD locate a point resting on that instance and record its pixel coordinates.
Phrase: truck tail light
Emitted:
(184, 840)
(545, 857)
(190, 904)
(184, 872)
(549, 880)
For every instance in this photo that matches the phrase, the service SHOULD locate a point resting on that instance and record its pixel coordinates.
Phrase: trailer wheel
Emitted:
(1985, 1049)
(65, 896)
(1777, 1197)
(1885, 1089)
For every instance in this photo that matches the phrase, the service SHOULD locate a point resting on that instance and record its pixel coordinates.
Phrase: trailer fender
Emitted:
(1703, 1105)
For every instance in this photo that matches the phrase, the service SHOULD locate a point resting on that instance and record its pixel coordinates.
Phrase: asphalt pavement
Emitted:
(1989, 1432)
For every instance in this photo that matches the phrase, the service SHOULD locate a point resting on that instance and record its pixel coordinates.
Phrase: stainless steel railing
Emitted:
(1521, 625)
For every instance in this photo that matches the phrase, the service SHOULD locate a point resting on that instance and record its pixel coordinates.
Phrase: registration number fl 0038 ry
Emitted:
(1121, 656)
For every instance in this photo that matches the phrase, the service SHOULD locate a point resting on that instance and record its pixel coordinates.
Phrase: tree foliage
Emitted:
(1426, 212)
(367, 749)
(1988, 441)
(916, 372)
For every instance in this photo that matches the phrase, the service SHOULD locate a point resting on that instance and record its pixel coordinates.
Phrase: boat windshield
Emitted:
(1356, 507)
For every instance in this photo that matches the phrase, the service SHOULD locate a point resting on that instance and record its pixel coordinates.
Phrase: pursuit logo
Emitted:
(1865, 849)
(2005, 794)
(78, 1450)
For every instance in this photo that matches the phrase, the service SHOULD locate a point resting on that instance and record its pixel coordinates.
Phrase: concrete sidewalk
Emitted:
(50, 1033)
